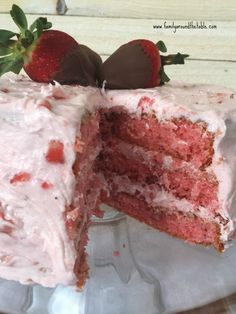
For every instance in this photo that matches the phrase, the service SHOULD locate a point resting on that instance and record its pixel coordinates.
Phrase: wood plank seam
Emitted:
(61, 7)
(189, 59)
(212, 60)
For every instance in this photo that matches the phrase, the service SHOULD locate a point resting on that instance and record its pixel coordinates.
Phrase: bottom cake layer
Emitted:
(186, 226)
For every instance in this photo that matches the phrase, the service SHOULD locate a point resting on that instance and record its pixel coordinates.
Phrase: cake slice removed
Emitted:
(169, 159)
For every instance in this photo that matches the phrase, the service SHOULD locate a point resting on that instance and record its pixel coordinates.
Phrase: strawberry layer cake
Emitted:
(165, 156)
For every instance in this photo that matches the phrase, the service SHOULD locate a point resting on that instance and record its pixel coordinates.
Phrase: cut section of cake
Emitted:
(165, 156)
(169, 159)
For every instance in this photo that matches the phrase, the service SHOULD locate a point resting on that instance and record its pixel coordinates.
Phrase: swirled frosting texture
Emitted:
(34, 193)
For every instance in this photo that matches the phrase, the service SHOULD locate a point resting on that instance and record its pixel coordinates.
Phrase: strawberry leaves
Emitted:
(174, 59)
(167, 60)
(19, 18)
(14, 51)
(10, 63)
(28, 39)
(8, 60)
(4, 51)
(163, 76)
(5, 35)
(39, 26)
(161, 46)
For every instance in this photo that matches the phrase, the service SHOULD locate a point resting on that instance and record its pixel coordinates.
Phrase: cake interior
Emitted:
(156, 172)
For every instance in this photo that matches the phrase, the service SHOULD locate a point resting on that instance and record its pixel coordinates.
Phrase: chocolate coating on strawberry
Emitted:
(128, 67)
(81, 66)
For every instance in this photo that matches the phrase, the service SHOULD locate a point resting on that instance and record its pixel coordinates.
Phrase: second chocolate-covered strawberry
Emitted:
(138, 64)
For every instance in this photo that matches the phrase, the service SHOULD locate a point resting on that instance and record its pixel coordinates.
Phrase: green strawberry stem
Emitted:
(168, 60)
(161, 46)
(173, 59)
(14, 52)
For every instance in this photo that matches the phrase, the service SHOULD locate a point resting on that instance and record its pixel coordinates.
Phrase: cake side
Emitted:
(44, 224)
(227, 175)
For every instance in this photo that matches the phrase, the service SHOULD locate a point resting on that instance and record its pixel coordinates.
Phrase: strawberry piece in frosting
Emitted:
(55, 152)
(46, 185)
(20, 177)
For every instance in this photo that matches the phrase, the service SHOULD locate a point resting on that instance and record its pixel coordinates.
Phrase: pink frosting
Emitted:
(35, 242)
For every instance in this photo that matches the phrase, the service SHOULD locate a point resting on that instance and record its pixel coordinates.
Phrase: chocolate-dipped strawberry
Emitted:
(81, 66)
(46, 55)
(138, 64)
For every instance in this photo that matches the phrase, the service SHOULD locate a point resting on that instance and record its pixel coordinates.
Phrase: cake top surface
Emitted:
(196, 101)
(19, 94)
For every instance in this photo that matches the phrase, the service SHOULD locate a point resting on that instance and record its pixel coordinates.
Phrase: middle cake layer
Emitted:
(170, 173)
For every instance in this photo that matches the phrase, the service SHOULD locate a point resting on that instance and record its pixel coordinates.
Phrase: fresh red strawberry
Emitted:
(55, 152)
(138, 64)
(43, 62)
(20, 177)
(46, 55)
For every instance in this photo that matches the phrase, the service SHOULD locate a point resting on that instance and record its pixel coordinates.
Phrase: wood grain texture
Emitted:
(105, 35)
(40, 7)
(151, 9)
(168, 9)
(220, 73)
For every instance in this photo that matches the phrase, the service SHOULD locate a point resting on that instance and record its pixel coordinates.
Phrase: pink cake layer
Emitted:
(151, 167)
(158, 172)
(77, 228)
(176, 137)
(78, 215)
(185, 226)
(87, 147)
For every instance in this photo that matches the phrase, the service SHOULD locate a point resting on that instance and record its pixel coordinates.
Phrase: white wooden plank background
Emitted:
(159, 9)
(168, 9)
(29, 6)
(105, 25)
(107, 34)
